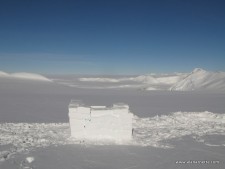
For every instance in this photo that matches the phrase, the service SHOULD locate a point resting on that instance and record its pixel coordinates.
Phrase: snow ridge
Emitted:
(24, 75)
(200, 79)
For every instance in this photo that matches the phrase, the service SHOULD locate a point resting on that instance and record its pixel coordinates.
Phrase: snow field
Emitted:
(27, 136)
(154, 131)
(200, 79)
(24, 137)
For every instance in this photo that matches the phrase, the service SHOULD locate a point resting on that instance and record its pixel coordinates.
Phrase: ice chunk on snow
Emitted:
(30, 159)
(100, 122)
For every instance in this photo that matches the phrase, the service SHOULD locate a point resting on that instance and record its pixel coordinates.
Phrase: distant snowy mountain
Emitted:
(160, 82)
(145, 79)
(200, 79)
(23, 75)
(146, 82)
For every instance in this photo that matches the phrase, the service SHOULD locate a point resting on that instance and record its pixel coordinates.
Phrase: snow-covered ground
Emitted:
(154, 132)
(172, 129)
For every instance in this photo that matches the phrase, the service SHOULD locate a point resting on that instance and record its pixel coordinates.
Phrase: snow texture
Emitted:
(100, 122)
(155, 132)
(200, 79)
(194, 132)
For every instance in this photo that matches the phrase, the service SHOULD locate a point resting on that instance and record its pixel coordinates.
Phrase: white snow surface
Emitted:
(148, 79)
(24, 75)
(112, 80)
(30, 159)
(200, 79)
(153, 131)
(100, 122)
(34, 123)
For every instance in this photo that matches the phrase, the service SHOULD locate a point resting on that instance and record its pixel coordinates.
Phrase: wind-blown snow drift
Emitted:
(24, 75)
(200, 79)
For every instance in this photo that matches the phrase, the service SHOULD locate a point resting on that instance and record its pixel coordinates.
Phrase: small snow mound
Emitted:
(30, 159)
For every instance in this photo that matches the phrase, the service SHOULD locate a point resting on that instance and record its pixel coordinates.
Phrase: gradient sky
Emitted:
(111, 36)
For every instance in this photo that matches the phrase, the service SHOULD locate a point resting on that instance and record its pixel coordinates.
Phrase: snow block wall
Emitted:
(100, 122)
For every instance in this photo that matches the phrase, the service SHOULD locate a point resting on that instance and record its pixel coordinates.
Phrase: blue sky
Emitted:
(111, 37)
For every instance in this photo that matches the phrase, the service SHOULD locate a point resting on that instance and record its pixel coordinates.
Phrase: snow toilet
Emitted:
(100, 123)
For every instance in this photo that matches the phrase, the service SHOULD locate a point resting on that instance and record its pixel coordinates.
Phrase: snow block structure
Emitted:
(100, 122)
